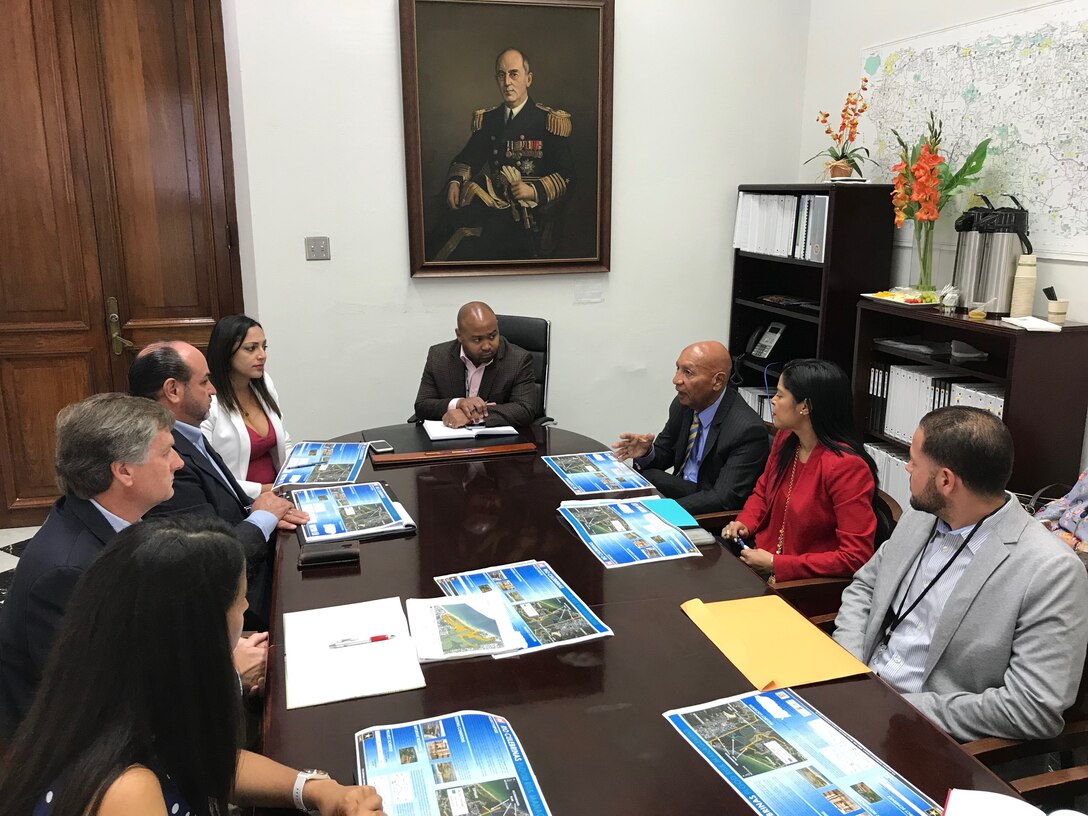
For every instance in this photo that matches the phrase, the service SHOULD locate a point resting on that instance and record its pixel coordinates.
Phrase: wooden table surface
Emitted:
(588, 715)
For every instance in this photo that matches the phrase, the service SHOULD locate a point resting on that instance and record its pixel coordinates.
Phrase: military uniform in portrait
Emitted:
(490, 224)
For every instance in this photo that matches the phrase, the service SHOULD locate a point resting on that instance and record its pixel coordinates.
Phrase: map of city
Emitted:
(462, 629)
(501, 797)
(1017, 79)
(554, 620)
(742, 739)
(601, 519)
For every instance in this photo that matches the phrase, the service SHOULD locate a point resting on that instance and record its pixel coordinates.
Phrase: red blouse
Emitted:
(830, 524)
(261, 467)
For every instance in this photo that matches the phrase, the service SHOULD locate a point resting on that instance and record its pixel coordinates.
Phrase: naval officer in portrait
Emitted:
(506, 190)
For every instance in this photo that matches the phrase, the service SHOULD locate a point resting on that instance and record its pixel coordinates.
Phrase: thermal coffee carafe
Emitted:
(991, 241)
(968, 253)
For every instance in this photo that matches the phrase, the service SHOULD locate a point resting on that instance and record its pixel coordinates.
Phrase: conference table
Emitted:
(589, 716)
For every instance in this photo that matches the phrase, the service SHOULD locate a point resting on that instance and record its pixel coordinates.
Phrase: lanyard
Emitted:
(893, 619)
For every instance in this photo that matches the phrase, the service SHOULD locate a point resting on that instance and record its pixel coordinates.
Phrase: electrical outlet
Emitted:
(317, 248)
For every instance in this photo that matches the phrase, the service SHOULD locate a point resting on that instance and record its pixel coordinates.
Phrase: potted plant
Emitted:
(844, 157)
(924, 181)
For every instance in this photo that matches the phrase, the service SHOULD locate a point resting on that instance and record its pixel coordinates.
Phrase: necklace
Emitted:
(785, 510)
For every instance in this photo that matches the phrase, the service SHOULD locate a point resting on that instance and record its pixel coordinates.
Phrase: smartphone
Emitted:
(380, 446)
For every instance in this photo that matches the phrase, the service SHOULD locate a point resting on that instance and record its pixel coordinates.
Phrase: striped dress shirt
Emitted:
(902, 661)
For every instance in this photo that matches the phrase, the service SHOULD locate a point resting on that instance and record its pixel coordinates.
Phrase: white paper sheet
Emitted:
(468, 626)
(317, 671)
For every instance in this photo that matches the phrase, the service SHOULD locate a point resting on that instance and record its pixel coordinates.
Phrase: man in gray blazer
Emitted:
(716, 460)
(972, 609)
(478, 377)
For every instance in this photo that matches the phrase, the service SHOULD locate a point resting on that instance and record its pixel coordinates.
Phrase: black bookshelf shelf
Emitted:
(743, 253)
(857, 257)
(1044, 405)
(809, 316)
(942, 360)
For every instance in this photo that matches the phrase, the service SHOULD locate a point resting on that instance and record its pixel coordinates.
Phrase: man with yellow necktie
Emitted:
(714, 442)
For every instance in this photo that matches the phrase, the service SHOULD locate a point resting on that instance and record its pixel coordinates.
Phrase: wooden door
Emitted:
(115, 183)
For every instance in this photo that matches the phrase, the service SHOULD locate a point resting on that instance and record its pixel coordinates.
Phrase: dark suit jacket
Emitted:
(198, 489)
(734, 454)
(508, 382)
(71, 538)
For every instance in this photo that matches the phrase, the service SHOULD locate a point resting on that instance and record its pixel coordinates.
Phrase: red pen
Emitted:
(340, 644)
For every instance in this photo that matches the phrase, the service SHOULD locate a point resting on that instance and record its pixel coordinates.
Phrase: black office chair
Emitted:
(533, 334)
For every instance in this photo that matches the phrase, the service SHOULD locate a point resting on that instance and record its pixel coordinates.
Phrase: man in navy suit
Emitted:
(175, 374)
(115, 461)
(715, 460)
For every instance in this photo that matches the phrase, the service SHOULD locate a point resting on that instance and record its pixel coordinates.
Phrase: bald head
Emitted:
(478, 331)
(702, 371)
(175, 374)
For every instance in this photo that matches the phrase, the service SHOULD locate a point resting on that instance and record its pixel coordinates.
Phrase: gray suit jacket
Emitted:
(507, 381)
(1008, 651)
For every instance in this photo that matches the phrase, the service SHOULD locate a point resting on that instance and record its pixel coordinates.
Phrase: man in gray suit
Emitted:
(714, 442)
(479, 377)
(972, 609)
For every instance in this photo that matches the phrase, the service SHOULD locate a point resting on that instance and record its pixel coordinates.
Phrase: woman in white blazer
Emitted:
(245, 424)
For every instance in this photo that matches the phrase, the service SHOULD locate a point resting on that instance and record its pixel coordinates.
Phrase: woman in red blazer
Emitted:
(811, 512)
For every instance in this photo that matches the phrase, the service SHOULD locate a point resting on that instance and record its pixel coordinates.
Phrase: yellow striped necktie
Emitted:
(693, 434)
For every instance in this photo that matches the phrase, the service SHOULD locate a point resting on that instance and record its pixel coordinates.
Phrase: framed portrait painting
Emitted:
(508, 135)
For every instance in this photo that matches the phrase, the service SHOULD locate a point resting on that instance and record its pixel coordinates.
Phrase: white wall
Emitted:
(837, 34)
(701, 105)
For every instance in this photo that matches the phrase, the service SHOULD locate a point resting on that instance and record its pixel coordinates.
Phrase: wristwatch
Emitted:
(300, 780)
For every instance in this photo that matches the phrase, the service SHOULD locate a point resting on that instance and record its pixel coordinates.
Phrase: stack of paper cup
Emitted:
(1023, 287)
(1056, 309)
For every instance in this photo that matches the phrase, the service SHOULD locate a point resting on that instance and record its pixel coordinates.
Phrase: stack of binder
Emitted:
(759, 399)
(891, 467)
(900, 395)
(786, 226)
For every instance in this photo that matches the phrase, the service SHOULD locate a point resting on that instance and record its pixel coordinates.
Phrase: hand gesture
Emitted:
(334, 799)
(250, 660)
(453, 195)
(474, 408)
(735, 530)
(455, 418)
(523, 192)
(633, 446)
(287, 515)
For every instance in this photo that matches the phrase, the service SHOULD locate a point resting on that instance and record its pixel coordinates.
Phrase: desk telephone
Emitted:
(763, 340)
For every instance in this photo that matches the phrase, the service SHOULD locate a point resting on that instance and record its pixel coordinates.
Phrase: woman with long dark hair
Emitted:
(138, 710)
(811, 512)
(245, 423)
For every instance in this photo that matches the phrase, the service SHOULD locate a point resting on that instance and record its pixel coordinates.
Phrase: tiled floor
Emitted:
(12, 543)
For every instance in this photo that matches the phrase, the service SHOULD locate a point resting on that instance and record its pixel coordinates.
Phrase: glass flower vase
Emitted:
(923, 251)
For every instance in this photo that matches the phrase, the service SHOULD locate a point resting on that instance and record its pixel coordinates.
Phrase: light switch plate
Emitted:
(317, 248)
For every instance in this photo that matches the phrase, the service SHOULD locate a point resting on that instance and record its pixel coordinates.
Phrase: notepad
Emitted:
(437, 431)
(348, 651)
(771, 643)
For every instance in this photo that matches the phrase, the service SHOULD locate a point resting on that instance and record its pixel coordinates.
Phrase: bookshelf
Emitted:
(1044, 400)
(856, 258)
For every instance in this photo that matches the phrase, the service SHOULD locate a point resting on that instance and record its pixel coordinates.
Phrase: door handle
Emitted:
(118, 343)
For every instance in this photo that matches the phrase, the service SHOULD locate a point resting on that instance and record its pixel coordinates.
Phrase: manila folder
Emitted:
(771, 643)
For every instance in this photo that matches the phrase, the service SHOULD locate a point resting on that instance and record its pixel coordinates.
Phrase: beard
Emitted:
(929, 500)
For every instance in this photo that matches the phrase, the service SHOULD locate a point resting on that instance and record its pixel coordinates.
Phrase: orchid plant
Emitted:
(843, 153)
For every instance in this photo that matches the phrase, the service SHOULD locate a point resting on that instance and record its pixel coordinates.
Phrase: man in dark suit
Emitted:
(175, 375)
(506, 189)
(479, 377)
(714, 442)
(114, 462)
